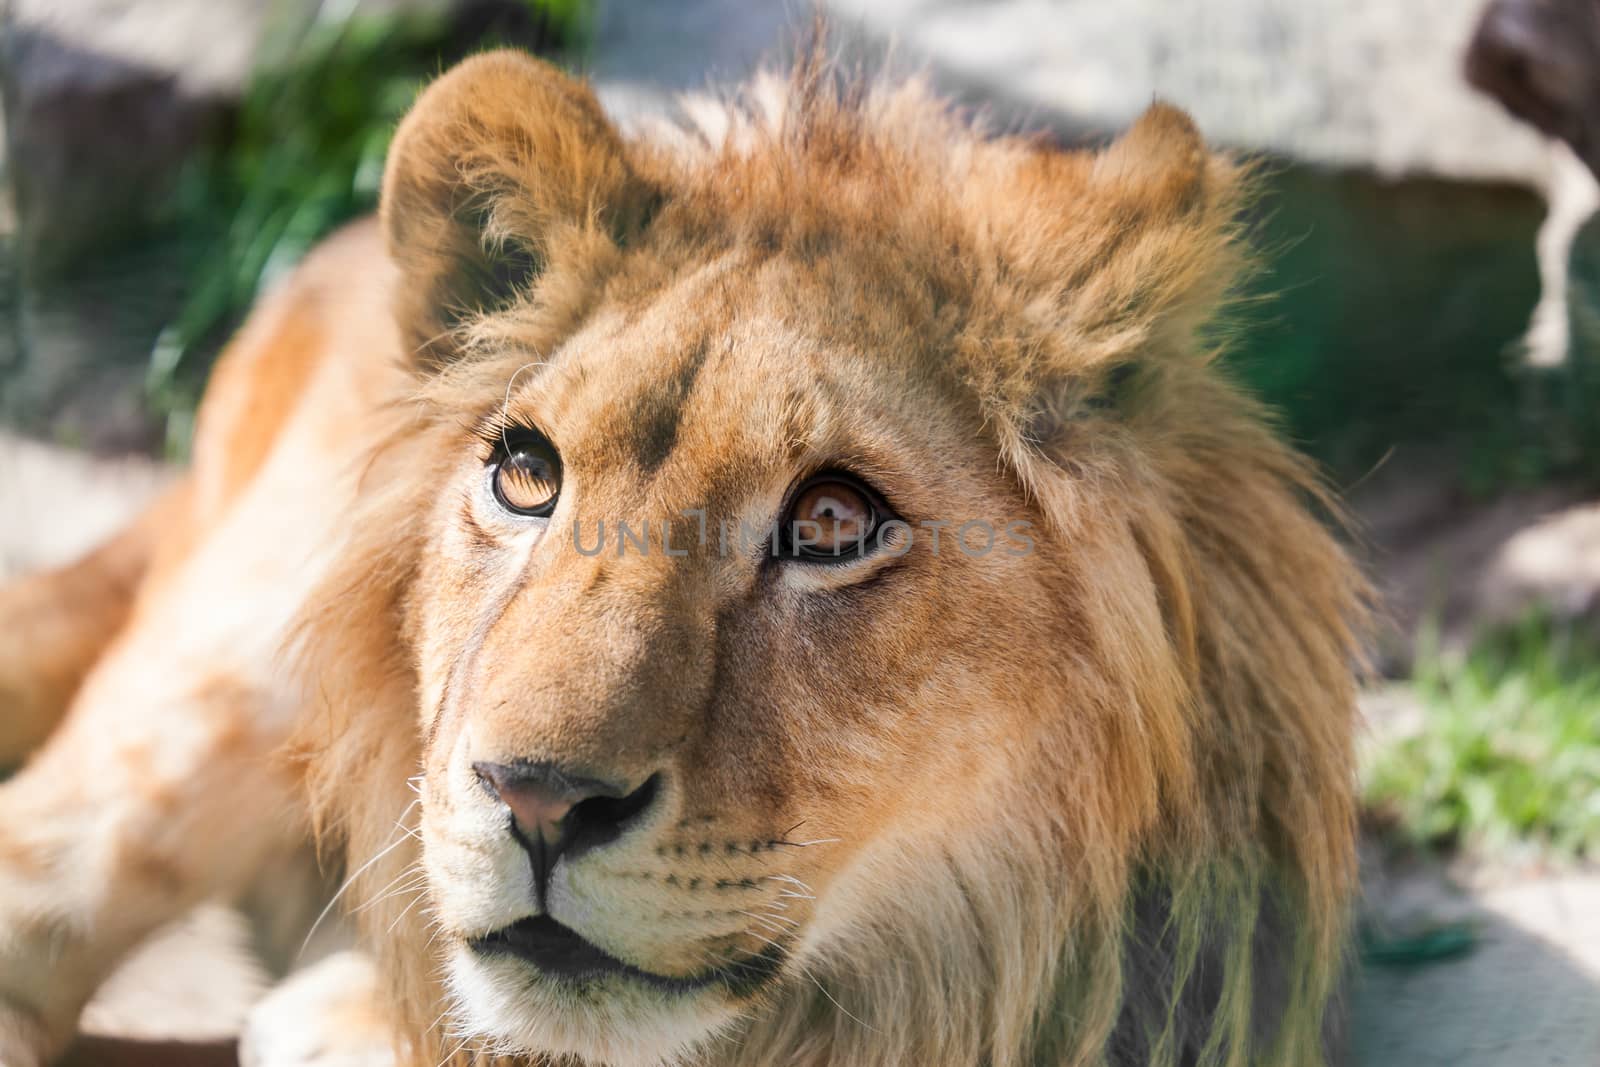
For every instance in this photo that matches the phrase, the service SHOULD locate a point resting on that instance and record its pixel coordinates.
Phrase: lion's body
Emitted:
(1088, 804)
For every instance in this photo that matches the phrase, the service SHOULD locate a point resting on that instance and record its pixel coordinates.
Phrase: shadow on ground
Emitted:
(1527, 993)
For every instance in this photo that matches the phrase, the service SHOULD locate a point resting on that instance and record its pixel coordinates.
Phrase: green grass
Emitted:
(1509, 750)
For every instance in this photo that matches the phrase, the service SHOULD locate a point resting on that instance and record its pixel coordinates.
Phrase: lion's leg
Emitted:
(54, 626)
(159, 789)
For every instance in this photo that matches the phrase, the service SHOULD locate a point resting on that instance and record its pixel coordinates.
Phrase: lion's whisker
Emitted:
(831, 999)
(771, 918)
(780, 931)
(448, 1056)
(413, 871)
(359, 871)
(808, 844)
(403, 912)
(791, 879)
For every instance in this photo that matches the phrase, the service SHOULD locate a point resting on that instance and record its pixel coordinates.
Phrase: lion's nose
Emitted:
(556, 812)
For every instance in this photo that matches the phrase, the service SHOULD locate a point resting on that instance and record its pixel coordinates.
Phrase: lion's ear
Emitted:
(1129, 248)
(1120, 257)
(1174, 248)
(494, 160)
(1157, 167)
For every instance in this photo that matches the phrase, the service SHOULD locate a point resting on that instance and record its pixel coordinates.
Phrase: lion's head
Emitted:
(832, 608)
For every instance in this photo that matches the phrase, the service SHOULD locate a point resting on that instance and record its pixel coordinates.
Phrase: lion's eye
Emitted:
(527, 476)
(831, 518)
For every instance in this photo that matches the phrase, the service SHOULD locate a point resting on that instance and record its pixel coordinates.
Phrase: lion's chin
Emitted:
(613, 1020)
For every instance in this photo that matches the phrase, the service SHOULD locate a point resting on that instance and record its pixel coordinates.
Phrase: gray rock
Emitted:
(1551, 567)
(1367, 84)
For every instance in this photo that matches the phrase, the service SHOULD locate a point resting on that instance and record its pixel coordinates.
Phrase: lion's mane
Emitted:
(1200, 913)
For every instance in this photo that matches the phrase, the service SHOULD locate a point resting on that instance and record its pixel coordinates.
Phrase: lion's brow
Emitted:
(657, 411)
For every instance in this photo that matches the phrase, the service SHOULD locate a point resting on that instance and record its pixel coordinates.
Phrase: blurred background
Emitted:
(1427, 321)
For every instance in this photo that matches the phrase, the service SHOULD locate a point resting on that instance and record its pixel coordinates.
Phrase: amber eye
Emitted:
(527, 475)
(831, 518)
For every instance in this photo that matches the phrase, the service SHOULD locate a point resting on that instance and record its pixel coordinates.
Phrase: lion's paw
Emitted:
(327, 1015)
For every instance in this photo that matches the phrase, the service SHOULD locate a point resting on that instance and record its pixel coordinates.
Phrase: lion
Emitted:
(791, 587)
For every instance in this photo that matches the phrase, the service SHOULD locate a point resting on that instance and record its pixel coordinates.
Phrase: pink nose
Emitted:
(555, 812)
(539, 802)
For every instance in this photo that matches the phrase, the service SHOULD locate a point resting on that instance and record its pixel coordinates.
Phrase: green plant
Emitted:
(1509, 749)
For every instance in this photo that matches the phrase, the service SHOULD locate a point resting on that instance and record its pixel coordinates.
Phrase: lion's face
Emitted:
(661, 764)
(853, 621)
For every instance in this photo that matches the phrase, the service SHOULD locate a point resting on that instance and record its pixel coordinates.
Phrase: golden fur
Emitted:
(1088, 804)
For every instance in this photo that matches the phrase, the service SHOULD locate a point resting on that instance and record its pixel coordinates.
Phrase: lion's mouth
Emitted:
(562, 953)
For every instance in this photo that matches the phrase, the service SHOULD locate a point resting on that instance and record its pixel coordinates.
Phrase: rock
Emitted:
(95, 143)
(1552, 566)
(1541, 60)
(1367, 84)
(107, 105)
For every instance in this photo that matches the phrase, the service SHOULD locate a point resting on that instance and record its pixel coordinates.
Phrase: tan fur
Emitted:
(58, 623)
(1088, 804)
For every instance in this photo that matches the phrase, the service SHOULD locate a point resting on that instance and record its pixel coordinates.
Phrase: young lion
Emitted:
(793, 590)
